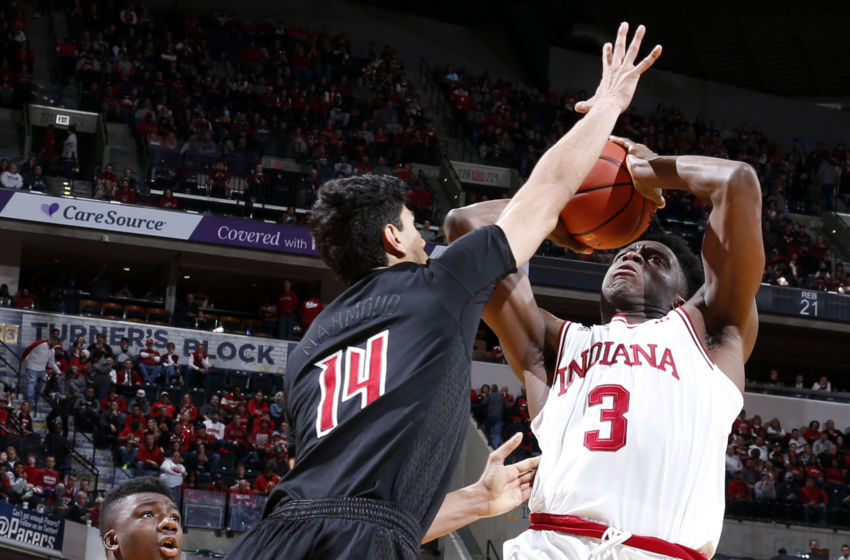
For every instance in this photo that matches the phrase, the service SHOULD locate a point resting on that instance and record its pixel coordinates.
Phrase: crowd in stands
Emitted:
(214, 93)
(122, 399)
(500, 415)
(16, 56)
(797, 474)
(512, 126)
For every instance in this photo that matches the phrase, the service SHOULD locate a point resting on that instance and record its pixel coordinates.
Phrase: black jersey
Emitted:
(377, 390)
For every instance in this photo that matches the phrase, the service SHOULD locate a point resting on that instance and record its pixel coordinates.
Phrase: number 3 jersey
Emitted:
(634, 431)
(377, 390)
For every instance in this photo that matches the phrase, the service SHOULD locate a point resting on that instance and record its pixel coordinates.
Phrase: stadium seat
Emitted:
(89, 307)
(158, 316)
(135, 313)
(111, 310)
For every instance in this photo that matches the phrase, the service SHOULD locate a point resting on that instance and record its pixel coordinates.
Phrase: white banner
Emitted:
(483, 174)
(229, 351)
(120, 218)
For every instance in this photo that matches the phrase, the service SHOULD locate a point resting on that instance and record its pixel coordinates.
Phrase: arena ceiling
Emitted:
(783, 47)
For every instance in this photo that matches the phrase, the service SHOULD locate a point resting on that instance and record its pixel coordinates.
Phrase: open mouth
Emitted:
(168, 547)
(625, 269)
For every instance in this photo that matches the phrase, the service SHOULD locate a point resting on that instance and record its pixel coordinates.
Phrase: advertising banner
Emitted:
(483, 174)
(30, 529)
(148, 221)
(228, 351)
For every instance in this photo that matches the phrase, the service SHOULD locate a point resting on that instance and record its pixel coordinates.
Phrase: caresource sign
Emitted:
(142, 220)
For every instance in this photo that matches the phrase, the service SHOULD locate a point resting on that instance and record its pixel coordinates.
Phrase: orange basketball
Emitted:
(607, 212)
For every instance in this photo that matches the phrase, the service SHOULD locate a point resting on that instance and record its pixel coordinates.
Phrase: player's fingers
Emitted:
(528, 464)
(620, 43)
(607, 50)
(499, 455)
(582, 107)
(649, 60)
(624, 142)
(634, 46)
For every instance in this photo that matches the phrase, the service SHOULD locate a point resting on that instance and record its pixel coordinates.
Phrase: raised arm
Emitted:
(528, 335)
(532, 214)
(732, 251)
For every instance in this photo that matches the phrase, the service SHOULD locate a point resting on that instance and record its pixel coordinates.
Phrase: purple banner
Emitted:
(255, 235)
(4, 198)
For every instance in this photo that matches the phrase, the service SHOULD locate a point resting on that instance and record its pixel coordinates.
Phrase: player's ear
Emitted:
(391, 240)
(110, 540)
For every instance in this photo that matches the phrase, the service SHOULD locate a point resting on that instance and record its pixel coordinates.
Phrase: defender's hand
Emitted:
(638, 161)
(619, 73)
(506, 486)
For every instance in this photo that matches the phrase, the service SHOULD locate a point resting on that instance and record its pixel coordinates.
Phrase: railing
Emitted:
(17, 370)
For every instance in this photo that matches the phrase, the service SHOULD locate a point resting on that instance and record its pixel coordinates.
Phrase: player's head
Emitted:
(140, 521)
(360, 223)
(651, 276)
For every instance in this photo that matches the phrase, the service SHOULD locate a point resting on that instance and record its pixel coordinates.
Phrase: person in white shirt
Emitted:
(733, 462)
(214, 425)
(822, 384)
(11, 179)
(845, 552)
(171, 472)
(37, 357)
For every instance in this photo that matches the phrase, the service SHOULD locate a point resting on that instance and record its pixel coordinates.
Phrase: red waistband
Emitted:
(578, 526)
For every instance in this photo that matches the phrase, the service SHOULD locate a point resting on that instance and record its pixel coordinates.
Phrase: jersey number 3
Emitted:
(620, 405)
(362, 372)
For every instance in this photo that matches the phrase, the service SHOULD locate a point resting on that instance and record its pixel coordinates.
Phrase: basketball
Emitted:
(607, 212)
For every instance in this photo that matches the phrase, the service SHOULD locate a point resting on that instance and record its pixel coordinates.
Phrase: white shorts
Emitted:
(555, 545)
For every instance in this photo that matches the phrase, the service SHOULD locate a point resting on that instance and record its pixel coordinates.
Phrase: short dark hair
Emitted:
(690, 265)
(348, 218)
(144, 484)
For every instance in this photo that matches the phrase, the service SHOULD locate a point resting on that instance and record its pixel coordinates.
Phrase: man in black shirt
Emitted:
(378, 388)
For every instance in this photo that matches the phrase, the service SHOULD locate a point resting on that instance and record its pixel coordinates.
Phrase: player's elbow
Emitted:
(744, 185)
(458, 223)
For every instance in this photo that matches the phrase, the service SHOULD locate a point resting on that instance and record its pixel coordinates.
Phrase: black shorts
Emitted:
(329, 529)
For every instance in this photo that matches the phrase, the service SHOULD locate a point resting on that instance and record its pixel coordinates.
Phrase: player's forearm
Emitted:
(709, 178)
(459, 509)
(532, 213)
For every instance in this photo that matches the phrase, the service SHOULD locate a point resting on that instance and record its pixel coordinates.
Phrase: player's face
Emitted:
(643, 279)
(414, 245)
(145, 527)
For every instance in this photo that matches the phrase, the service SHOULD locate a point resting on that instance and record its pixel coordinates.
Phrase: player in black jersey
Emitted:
(377, 389)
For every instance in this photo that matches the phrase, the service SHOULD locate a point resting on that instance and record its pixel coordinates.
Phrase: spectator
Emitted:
(79, 510)
(814, 502)
(164, 404)
(70, 157)
(167, 200)
(37, 182)
(822, 384)
(35, 360)
(125, 194)
(287, 311)
(310, 309)
(764, 490)
(149, 458)
(733, 461)
(496, 407)
(172, 472)
(149, 362)
(87, 411)
(170, 365)
(11, 179)
(199, 369)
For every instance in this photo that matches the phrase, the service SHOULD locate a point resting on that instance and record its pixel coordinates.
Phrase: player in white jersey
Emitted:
(632, 415)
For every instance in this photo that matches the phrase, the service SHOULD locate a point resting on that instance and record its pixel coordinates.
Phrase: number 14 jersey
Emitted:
(634, 430)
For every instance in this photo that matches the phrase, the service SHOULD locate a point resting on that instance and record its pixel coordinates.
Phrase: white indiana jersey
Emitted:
(634, 431)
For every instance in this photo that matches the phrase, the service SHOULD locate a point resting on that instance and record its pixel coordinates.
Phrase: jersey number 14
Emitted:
(355, 371)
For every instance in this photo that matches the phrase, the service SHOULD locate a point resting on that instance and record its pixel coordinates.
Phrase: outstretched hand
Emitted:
(506, 486)
(638, 161)
(619, 73)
